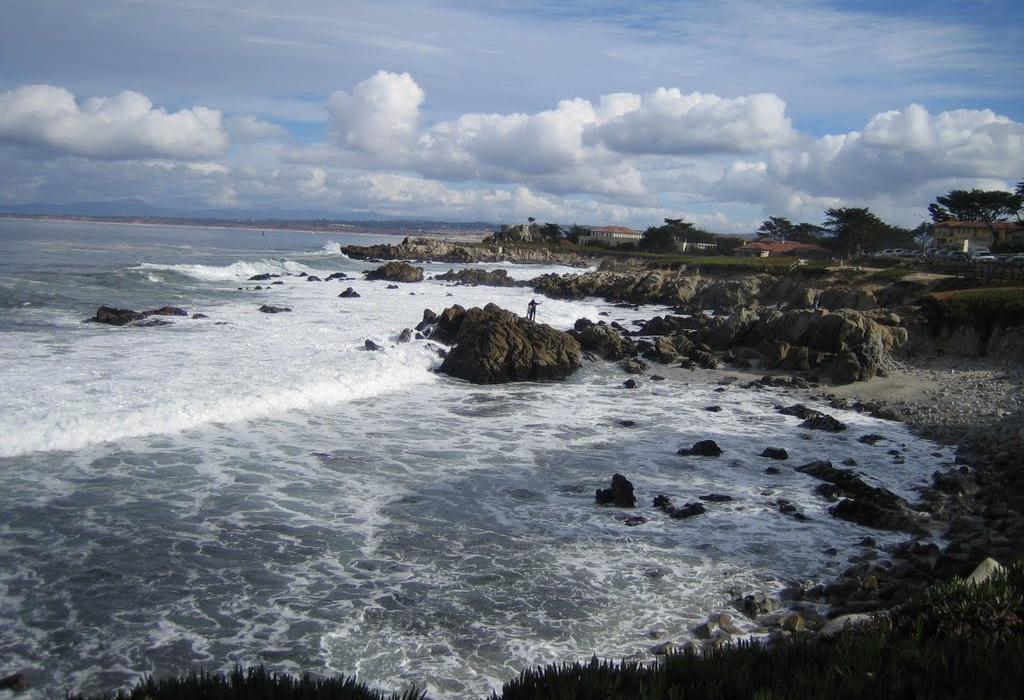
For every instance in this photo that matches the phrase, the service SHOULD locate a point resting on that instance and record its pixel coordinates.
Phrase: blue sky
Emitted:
(721, 112)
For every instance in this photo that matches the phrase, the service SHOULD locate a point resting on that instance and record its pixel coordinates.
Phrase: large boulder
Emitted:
(396, 272)
(602, 340)
(122, 317)
(493, 346)
(620, 494)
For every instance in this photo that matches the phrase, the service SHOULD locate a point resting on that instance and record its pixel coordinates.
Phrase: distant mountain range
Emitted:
(136, 209)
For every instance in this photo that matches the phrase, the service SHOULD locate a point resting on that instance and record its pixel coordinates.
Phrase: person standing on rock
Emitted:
(531, 310)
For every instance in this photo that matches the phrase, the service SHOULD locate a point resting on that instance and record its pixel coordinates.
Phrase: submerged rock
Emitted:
(267, 309)
(664, 504)
(349, 294)
(775, 453)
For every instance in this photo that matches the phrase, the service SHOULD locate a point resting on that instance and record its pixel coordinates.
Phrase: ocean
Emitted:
(258, 488)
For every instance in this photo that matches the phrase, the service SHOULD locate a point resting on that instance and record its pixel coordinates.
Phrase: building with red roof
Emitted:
(765, 248)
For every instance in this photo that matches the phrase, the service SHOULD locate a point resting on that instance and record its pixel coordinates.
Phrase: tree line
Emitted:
(846, 231)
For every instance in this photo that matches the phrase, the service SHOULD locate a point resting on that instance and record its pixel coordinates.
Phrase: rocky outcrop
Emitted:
(493, 346)
(122, 317)
(602, 340)
(664, 504)
(396, 272)
(488, 278)
(702, 448)
(267, 309)
(859, 502)
(620, 494)
(433, 249)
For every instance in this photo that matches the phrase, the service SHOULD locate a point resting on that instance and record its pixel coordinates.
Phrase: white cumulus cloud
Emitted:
(380, 116)
(124, 126)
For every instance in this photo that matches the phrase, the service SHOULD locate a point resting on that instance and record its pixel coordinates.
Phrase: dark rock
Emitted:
(620, 494)
(336, 276)
(198, 316)
(349, 294)
(492, 345)
(405, 336)
(429, 319)
(277, 282)
(787, 508)
(862, 503)
(302, 274)
(629, 384)
(151, 322)
(634, 520)
(800, 411)
(370, 345)
(267, 309)
(713, 409)
(870, 439)
(824, 422)
(396, 272)
(716, 498)
(116, 317)
(602, 340)
(313, 278)
(849, 462)
(775, 453)
(490, 278)
(392, 286)
(664, 504)
(657, 378)
(166, 311)
(259, 288)
(627, 423)
(261, 278)
(702, 448)
(772, 470)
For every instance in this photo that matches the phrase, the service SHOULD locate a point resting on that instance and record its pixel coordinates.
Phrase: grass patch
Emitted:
(953, 641)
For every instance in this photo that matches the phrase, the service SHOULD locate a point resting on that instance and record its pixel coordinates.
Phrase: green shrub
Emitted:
(978, 307)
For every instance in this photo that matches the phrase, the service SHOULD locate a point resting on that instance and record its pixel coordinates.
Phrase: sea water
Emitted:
(259, 488)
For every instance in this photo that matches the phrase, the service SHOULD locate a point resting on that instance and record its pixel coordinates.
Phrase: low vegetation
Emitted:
(955, 640)
(977, 307)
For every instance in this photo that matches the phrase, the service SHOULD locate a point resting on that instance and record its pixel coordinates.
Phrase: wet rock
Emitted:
(395, 286)
(396, 272)
(757, 605)
(405, 336)
(870, 439)
(370, 345)
(664, 504)
(627, 423)
(824, 422)
(713, 409)
(634, 520)
(313, 278)
(657, 378)
(492, 345)
(336, 276)
(166, 311)
(716, 498)
(490, 278)
(702, 448)
(603, 341)
(772, 470)
(633, 366)
(199, 316)
(267, 309)
(277, 282)
(788, 508)
(799, 411)
(116, 317)
(349, 294)
(620, 494)
(630, 384)
(775, 453)
(261, 278)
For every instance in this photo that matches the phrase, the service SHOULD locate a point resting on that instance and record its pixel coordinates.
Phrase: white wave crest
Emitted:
(236, 271)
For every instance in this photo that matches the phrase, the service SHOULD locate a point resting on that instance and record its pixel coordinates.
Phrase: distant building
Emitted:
(690, 246)
(765, 249)
(977, 234)
(611, 236)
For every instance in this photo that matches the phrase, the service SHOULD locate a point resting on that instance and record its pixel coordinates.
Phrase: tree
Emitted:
(777, 228)
(658, 239)
(855, 229)
(531, 219)
(575, 231)
(989, 206)
(807, 233)
(552, 232)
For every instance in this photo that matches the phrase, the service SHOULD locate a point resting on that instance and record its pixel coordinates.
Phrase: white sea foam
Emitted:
(237, 271)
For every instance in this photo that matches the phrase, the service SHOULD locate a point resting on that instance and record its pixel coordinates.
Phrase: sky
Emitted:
(721, 113)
